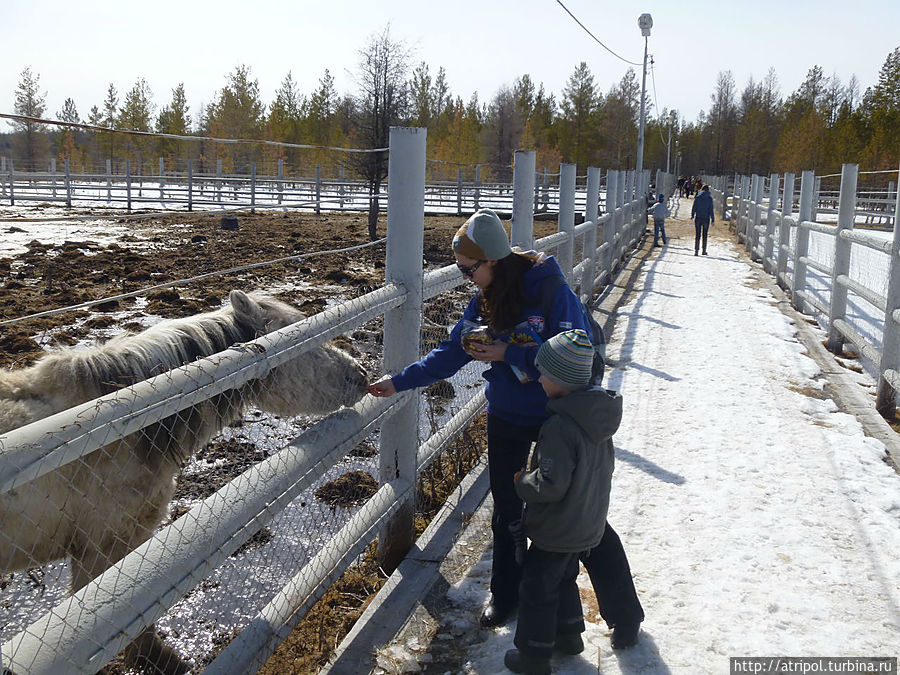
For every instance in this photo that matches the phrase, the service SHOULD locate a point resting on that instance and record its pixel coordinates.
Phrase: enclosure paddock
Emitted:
(99, 507)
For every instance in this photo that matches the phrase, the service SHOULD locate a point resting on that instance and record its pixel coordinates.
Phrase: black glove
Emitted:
(517, 530)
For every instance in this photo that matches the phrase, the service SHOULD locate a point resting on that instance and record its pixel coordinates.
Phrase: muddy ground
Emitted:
(160, 249)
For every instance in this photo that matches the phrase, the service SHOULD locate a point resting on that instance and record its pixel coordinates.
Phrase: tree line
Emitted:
(820, 125)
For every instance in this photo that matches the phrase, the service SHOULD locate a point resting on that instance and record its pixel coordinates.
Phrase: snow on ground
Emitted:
(758, 519)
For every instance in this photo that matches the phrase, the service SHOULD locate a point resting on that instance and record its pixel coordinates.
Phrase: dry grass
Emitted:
(309, 646)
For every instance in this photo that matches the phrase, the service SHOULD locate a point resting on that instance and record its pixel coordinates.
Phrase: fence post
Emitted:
(459, 191)
(885, 399)
(219, 181)
(768, 248)
(815, 202)
(609, 229)
(162, 173)
(784, 231)
(477, 186)
(566, 219)
(403, 266)
(68, 185)
(253, 188)
(318, 186)
(841, 267)
(12, 198)
(752, 212)
(280, 180)
(53, 176)
(190, 185)
(522, 228)
(589, 245)
(804, 213)
(341, 188)
(128, 183)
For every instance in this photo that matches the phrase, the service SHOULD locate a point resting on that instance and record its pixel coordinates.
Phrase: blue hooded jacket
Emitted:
(508, 398)
(703, 208)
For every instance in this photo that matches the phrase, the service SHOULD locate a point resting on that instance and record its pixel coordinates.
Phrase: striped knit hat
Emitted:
(566, 358)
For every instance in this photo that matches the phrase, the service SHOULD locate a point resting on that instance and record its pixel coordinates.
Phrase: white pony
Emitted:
(97, 509)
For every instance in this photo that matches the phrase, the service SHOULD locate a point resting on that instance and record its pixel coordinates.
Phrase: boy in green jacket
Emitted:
(565, 487)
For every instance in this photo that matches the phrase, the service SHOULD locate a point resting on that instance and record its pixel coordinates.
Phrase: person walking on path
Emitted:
(566, 488)
(660, 212)
(503, 326)
(702, 213)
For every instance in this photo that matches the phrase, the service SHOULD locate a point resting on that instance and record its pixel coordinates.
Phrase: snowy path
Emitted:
(758, 519)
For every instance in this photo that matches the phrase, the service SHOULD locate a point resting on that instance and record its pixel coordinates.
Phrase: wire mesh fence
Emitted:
(183, 495)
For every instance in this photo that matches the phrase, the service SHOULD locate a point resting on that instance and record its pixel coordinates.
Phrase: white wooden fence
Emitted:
(848, 278)
(84, 632)
(190, 190)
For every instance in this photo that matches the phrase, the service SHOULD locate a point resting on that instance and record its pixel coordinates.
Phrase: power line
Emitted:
(656, 101)
(595, 37)
(91, 127)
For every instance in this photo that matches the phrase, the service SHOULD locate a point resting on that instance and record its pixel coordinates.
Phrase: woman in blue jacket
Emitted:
(508, 304)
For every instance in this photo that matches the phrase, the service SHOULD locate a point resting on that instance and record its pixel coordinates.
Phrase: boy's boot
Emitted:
(625, 635)
(523, 662)
(570, 643)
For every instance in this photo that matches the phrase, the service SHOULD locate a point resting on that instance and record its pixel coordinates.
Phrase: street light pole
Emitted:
(669, 144)
(645, 22)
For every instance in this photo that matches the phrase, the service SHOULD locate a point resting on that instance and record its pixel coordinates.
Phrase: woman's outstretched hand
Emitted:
(382, 388)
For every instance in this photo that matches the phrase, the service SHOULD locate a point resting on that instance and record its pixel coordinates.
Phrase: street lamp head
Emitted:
(645, 23)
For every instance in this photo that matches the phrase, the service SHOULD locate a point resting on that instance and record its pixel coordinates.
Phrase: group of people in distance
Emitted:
(550, 453)
(702, 213)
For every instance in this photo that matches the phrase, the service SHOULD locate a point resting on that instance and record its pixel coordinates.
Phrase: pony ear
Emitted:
(246, 307)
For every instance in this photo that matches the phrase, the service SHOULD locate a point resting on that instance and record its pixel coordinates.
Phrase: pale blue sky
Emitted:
(78, 48)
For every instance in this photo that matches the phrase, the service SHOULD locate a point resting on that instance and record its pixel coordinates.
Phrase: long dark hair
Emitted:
(502, 301)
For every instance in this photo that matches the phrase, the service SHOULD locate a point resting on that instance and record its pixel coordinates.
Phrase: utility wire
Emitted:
(595, 37)
(91, 127)
(656, 102)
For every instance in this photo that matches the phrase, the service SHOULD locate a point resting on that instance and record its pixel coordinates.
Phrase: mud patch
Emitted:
(353, 487)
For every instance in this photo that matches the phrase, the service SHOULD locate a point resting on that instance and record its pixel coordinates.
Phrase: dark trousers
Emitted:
(610, 574)
(508, 447)
(659, 230)
(701, 229)
(606, 563)
(549, 603)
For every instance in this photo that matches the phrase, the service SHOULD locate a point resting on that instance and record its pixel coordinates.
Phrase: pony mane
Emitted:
(129, 358)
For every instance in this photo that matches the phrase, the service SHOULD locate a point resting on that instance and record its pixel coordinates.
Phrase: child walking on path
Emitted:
(566, 486)
(660, 212)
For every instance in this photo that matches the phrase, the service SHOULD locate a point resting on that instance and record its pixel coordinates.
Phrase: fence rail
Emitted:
(849, 279)
(191, 190)
(189, 557)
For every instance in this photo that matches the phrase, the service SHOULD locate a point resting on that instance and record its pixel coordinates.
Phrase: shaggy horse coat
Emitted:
(98, 508)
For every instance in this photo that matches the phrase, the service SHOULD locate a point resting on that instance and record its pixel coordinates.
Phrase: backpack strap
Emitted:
(548, 291)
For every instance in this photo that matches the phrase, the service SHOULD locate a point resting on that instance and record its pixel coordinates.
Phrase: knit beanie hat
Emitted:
(566, 358)
(482, 237)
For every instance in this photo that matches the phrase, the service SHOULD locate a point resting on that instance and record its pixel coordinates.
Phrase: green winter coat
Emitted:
(567, 481)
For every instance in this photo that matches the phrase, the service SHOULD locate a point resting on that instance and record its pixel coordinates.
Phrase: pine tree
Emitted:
(238, 113)
(136, 114)
(67, 142)
(173, 119)
(30, 140)
(618, 123)
(579, 120)
(881, 109)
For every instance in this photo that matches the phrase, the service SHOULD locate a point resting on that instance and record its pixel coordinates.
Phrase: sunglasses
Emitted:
(469, 270)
